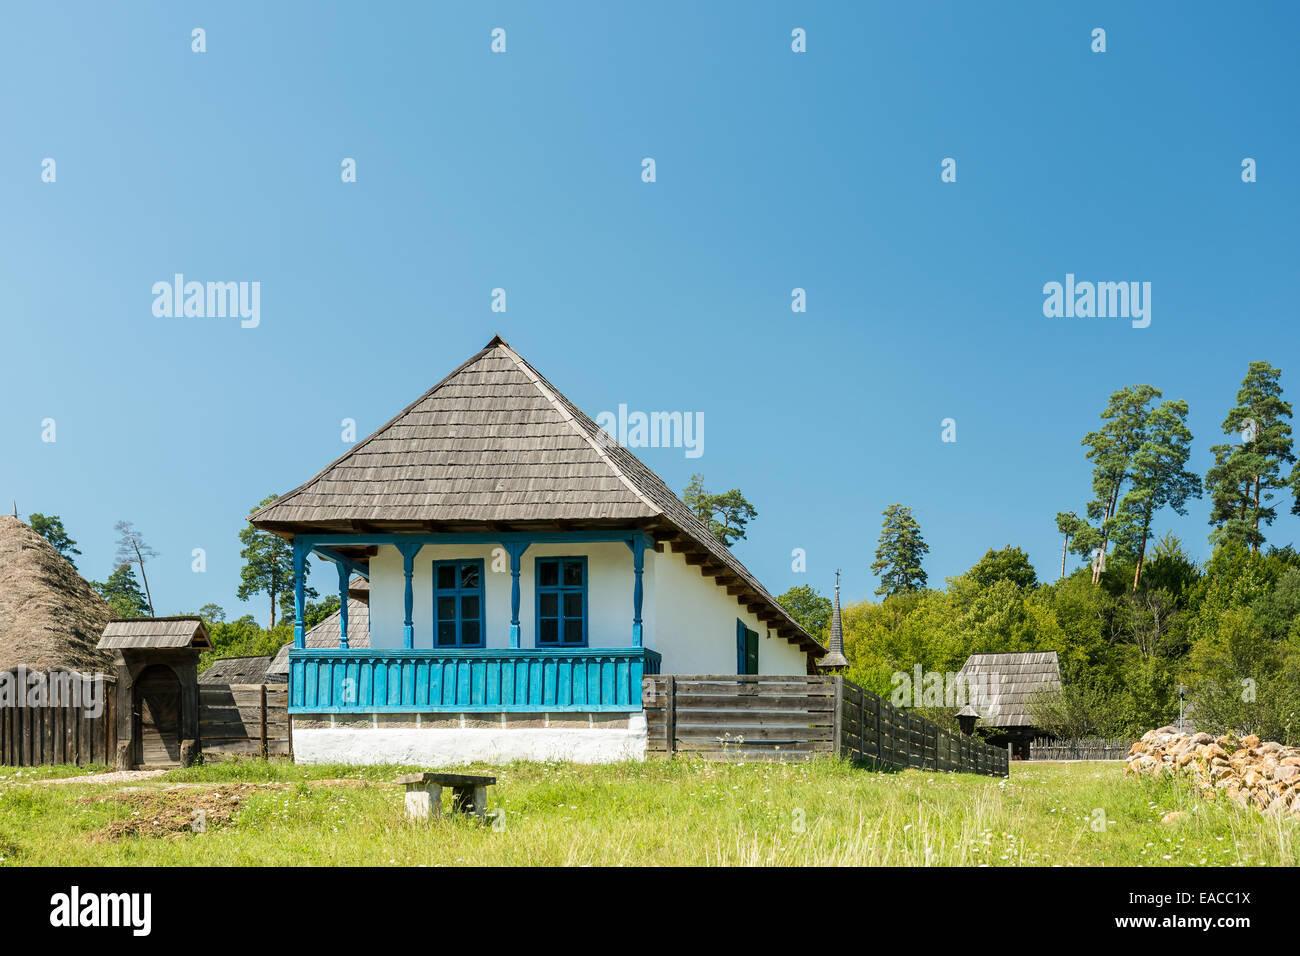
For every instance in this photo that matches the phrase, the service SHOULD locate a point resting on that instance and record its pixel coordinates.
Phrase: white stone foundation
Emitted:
(606, 741)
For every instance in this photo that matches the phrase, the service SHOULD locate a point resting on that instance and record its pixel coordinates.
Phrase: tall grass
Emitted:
(681, 812)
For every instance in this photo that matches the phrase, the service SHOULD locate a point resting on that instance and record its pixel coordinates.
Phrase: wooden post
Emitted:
(299, 596)
(880, 740)
(408, 596)
(637, 544)
(862, 723)
(265, 751)
(837, 717)
(670, 714)
(343, 605)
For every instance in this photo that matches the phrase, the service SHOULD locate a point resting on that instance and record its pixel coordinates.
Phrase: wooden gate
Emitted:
(158, 696)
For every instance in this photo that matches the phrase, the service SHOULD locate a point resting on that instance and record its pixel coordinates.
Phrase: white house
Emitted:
(525, 572)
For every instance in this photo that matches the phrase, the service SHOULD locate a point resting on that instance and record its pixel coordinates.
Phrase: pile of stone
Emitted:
(1244, 770)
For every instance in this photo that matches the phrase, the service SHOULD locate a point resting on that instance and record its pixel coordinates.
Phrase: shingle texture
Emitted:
(154, 632)
(1018, 677)
(237, 670)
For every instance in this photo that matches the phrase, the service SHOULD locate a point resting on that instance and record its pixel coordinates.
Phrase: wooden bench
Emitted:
(424, 793)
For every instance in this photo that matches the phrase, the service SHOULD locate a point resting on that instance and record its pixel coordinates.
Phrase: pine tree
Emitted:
(268, 567)
(123, 594)
(1159, 478)
(899, 553)
(1072, 527)
(131, 549)
(1244, 476)
(50, 527)
(725, 514)
(1111, 449)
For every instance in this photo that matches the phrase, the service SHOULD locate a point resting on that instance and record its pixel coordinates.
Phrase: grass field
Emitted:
(682, 812)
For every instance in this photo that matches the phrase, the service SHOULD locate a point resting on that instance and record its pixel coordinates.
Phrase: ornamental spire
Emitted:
(835, 659)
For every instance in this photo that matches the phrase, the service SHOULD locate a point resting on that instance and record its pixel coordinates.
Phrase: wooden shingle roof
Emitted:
(495, 442)
(166, 632)
(237, 670)
(1011, 679)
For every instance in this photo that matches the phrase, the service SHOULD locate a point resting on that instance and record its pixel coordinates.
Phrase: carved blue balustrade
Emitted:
(465, 680)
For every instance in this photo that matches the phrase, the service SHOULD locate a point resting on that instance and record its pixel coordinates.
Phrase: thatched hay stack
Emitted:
(50, 616)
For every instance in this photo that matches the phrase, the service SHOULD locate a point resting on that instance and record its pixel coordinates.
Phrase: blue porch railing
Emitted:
(389, 680)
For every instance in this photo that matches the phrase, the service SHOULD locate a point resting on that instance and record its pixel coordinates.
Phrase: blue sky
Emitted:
(522, 170)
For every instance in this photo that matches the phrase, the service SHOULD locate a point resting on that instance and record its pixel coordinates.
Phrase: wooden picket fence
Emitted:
(1079, 748)
(760, 717)
(244, 719)
(57, 733)
(874, 729)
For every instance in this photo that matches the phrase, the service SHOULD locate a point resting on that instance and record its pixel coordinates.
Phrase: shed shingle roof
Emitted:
(154, 632)
(494, 441)
(1010, 680)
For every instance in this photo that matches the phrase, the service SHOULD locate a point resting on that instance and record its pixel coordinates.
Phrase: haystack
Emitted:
(50, 616)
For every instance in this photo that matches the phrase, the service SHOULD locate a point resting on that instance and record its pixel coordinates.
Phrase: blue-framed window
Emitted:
(561, 602)
(458, 603)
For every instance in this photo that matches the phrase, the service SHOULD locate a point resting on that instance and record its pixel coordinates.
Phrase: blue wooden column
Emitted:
(408, 551)
(299, 600)
(344, 574)
(638, 546)
(516, 551)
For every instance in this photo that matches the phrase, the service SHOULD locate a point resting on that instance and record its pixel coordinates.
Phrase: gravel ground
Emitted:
(116, 776)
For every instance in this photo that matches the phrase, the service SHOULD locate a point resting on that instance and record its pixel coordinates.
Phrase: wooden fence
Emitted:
(69, 726)
(759, 717)
(244, 719)
(1079, 748)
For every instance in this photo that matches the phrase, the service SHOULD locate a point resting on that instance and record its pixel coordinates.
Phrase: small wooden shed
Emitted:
(157, 689)
(1004, 685)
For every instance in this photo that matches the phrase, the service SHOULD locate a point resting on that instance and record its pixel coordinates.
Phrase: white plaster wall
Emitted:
(686, 617)
(609, 592)
(695, 625)
(445, 747)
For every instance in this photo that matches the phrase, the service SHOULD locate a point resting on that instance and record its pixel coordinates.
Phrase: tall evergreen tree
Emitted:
(123, 594)
(1159, 478)
(899, 553)
(268, 566)
(1111, 449)
(1245, 475)
(131, 549)
(1071, 527)
(50, 527)
(725, 514)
